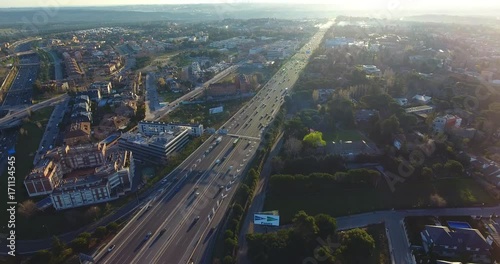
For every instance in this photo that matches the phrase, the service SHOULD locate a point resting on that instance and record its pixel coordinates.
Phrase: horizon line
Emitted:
(241, 3)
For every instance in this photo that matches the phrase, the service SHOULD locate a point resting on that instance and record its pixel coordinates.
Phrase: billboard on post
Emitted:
(268, 219)
(216, 110)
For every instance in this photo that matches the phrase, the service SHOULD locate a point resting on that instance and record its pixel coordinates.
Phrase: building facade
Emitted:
(44, 178)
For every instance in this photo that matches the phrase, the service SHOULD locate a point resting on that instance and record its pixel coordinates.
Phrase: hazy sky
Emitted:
(341, 4)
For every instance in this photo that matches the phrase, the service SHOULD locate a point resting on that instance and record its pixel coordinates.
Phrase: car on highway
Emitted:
(148, 235)
(196, 219)
(162, 232)
(110, 248)
(196, 194)
(164, 181)
(217, 161)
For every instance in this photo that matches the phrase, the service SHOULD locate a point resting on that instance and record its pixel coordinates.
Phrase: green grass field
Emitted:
(344, 135)
(339, 200)
(27, 144)
(167, 96)
(198, 113)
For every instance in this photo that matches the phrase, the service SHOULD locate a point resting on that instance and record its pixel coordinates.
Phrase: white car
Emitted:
(111, 248)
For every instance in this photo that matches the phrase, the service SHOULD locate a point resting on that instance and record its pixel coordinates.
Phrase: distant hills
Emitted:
(130, 14)
(112, 15)
(471, 20)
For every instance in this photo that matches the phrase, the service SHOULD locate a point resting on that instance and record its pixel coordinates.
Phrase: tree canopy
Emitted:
(314, 139)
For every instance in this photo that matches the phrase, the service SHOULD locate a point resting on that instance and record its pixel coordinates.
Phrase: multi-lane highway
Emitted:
(177, 223)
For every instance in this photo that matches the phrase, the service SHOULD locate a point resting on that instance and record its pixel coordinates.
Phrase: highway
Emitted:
(170, 217)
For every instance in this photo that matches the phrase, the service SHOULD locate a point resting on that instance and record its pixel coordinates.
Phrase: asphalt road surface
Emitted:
(21, 90)
(175, 225)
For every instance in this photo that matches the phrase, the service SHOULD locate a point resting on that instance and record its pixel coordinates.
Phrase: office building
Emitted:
(148, 128)
(154, 149)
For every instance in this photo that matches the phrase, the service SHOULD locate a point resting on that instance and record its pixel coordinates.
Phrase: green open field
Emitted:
(341, 199)
(27, 144)
(344, 135)
(167, 96)
(198, 113)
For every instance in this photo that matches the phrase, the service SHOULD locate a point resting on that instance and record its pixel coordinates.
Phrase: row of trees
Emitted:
(311, 237)
(312, 183)
(60, 252)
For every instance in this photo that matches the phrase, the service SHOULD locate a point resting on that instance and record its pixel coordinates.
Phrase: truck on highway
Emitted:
(218, 140)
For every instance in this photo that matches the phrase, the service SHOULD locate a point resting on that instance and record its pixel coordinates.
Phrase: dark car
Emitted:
(148, 235)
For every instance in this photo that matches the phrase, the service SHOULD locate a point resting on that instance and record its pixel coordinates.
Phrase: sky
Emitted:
(341, 4)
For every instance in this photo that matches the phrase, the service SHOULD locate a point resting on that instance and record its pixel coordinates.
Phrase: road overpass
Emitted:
(18, 113)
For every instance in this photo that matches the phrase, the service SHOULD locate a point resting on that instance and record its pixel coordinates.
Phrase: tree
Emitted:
(454, 167)
(228, 234)
(100, 232)
(27, 208)
(314, 139)
(436, 200)
(390, 126)
(292, 147)
(315, 95)
(80, 244)
(112, 227)
(162, 83)
(305, 226)
(230, 245)
(356, 245)
(228, 260)
(426, 173)
(327, 225)
(42, 256)
(407, 121)
(57, 246)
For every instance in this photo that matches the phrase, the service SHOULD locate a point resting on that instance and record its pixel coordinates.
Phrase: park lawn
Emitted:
(228, 79)
(27, 145)
(25, 148)
(167, 96)
(198, 113)
(341, 199)
(344, 135)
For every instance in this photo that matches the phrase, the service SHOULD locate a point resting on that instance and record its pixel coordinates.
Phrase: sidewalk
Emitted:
(257, 204)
